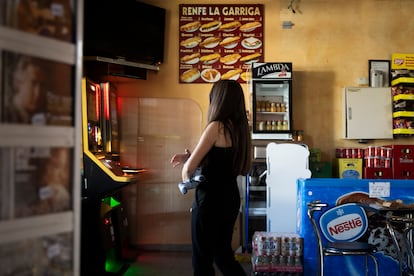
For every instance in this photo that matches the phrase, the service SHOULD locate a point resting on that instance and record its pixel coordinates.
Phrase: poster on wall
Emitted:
(50, 18)
(42, 180)
(219, 41)
(35, 91)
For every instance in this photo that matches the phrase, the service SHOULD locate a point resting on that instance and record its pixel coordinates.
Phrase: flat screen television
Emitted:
(124, 29)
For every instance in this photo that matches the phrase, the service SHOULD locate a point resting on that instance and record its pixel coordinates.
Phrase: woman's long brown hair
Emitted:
(227, 106)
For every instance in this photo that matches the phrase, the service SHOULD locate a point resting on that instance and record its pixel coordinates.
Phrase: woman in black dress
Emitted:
(223, 153)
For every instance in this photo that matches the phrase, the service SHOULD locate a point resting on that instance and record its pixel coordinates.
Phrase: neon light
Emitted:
(112, 263)
(97, 100)
(118, 104)
(106, 99)
(134, 270)
(112, 202)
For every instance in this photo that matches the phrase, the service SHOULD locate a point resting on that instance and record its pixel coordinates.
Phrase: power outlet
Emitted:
(362, 81)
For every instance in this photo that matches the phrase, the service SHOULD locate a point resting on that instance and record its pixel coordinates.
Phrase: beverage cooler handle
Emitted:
(268, 197)
(268, 166)
(267, 177)
(349, 113)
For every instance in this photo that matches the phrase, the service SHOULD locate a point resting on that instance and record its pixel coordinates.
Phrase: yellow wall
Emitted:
(330, 45)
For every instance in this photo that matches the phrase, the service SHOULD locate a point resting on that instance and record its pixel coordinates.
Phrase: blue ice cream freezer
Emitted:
(335, 192)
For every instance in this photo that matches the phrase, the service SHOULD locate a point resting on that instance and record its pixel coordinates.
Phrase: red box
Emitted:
(403, 171)
(402, 155)
(402, 161)
(378, 173)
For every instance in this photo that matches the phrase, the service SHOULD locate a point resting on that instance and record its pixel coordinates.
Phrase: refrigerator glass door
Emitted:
(272, 109)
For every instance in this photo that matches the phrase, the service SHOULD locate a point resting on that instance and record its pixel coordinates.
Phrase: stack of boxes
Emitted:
(277, 253)
(402, 161)
(376, 162)
(350, 162)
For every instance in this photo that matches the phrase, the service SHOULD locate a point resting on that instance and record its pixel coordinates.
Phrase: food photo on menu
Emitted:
(251, 43)
(230, 42)
(219, 42)
(230, 59)
(231, 26)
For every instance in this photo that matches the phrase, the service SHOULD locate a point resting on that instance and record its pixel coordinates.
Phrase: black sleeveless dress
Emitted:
(214, 212)
(220, 185)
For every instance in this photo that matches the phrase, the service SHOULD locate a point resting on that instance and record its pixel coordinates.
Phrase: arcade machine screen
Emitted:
(94, 121)
(112, 147)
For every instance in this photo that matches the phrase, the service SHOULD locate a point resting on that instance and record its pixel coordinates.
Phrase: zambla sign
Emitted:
(272, 68)
(268, 70)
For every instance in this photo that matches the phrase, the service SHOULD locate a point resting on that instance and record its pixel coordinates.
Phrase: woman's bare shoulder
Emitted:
(214, 126)
(216, 129)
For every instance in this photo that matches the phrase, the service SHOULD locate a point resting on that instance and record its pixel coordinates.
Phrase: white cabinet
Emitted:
(40, 148)
(367, 113)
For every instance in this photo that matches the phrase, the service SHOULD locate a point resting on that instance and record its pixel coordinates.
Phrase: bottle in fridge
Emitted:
(271, 91)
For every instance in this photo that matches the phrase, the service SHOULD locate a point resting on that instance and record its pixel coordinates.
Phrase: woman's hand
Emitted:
(180, 158)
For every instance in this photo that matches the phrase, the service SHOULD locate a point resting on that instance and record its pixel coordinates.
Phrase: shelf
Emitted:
(256, 212)
(403, 131)
(120, 61)
(403, 114)
(409, 97)
(13, 135)
(34, 45)
(271, 113)
(275, 90)
(35, 226)
(257, 188)
(403, 80)
(263, 135)
(25, 231)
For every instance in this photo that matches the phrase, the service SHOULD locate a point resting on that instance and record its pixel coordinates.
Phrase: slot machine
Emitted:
(104, 221)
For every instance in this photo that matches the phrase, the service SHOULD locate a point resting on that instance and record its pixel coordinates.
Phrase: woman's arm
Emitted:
(207, 141)
(180, 158)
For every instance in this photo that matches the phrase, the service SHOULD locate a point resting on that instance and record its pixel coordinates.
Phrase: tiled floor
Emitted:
(168, 264)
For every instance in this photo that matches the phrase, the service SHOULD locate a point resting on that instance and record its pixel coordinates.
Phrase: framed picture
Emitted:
(32, 90)
(379, 73)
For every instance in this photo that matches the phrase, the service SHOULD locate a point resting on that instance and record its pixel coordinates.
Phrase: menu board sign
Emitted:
(219, 41)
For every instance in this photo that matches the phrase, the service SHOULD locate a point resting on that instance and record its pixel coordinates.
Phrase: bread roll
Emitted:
(248, 27)
(190, 27)
(190, 75)
(231, 26)
(191, 42)
(232, 74)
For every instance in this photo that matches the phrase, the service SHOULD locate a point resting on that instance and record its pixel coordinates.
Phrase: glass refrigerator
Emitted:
(271, 90)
